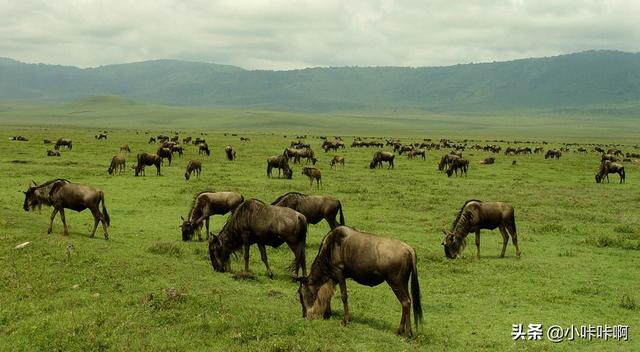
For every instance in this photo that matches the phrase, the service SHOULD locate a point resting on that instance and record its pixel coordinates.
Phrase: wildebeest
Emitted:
(186, 140)
(337, 160)
(245, 139)
(553, 153)
(125, 148)
(616, 152)
(20, 138)
(313, 174)
(446, 160)
(607, 168)
(62, 142)
(101, 136)
(177, 149)
(458, 164)
(165, 153)
(265, 225)
(488, 161)
(379, 157)
(414, 153)
(476, 215)
(314, 208)
(193, 166)
(370, 260)
(47, 141)
(152, 140)
(280, 162)
(204, 149)
(205, 205)
(231, 154)
(117, 165)
(147, 159)
(53, 153)
(609, 157)
(62, 194)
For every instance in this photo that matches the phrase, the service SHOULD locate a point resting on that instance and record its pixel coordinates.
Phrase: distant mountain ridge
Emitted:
(609, 79)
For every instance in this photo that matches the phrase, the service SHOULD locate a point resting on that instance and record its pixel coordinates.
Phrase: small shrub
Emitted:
(628, 303)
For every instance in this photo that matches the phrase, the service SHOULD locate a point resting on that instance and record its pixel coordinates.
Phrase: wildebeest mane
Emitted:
(461, 211)
(243, 214)
(323, 259)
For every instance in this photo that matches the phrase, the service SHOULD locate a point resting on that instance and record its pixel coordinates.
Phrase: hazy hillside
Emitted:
(600, 81)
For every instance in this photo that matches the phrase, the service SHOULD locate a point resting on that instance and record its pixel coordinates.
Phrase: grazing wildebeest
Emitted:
(205, 205)
(607, 168)
(186, 140)
(553, 153)
(458, 164)
(476, 215)
(446, 160)
(152, 140)
(379, 157)
(231, 154)
(414, 153)
(313, 174)
(281, 162)
(177, 149)
(47, 141)
(582, 150)
(53, 153)
(488, 161)
(314, 208)
(368, 259)
(62, 142)
(538, 150)
(101, 136)
(193, 166)
(125, 148)
(147, 159)
(337, 160)
(165, 153)
(204, 149)
(255, 222)
(62, 194)
(117, 165)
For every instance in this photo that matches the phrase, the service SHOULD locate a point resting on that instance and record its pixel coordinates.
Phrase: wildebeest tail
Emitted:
(415, 290)
(300, 257)
(341, 215)
(107, 220)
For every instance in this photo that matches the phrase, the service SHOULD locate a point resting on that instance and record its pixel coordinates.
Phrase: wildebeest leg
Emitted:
(505, 240)
(53, 216)
(246, 258)
(478, 244)
(64, 222)
(263, 255)
(206, 223)
(514, 239)
(402, 293)
(96, 219)
(343, 295)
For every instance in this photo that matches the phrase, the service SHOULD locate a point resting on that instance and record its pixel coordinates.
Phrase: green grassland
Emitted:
(580, 240)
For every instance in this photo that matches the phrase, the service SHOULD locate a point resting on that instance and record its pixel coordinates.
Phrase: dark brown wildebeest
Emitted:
(404, 148)
(62, 194)
(231, 154)
(538, 150)
(101, 136)
(186, 140)
(326, 145)
(379, 157)
(175, 138)
(609, 157)
(414, 153)
(476, 215)
(165, 153)
(314, 208)
(205, 205)
(47, 141)
(488, 161)
(337, 160)
(306, 153)
(152, 140)
(553, 153)
(265, 225)
(53, 153)
(607, 168)
(313, 174)
(245, 139)
(168, 145)
(582, 150)
(193, 166)
(368, 259)
(458, 164)
(62, 142)
(177, 149)
(616, 152)
(281, 162)
(446, 160)
(204, 149)
(125, 148)
(147, 159)
(117, 165)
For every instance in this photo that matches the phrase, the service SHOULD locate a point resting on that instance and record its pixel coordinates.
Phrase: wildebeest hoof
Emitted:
(106, 236)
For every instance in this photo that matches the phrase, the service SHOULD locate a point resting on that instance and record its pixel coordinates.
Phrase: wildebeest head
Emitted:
(188, 228)
(372, 164)
(31, 199)
(187, 175)
(307, 294)
(452, 245)
(218, 255)
(288, 173)
(598, 178)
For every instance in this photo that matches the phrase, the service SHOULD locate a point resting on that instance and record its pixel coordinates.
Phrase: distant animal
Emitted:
(206, 204)
(446, 161)
(193, 166)
(203, 149)
(553, 153)
(414, 153)
(607, 168)
(147, 159)
(125, 148)
(186, 140)
(245, 139)
(337, 160)
(474, 216)
(314, 208)
(47, 141)
(20, 139)
(513, 162)
(380, 157)
(280, 162)
(62, 194)
(368, 259)
(458, 164)
(609, 157)
(152, 140)
(265, 225)
(53, 153)
(165, 153)
(488, 161)
(117, 165)
(313, 174)
(62, 142)
(101, 136)
(231, 154)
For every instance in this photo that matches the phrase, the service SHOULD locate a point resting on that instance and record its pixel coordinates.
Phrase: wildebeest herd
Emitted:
(344, 252)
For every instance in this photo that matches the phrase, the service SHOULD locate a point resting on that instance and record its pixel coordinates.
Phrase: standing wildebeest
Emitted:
(379, 157)
(61, 194)
(313, 174)
(337, 160)
(177, 149)
(204, 149)
(101, 136)
(125, 148)
(346, 253)
(165, 153)
(607, 168)
(281, 162)
(117, 164)
(255, 222)
(205, 205)
(62, 142)
(152, 140)
(446, 161)
(314, 208)
(476, 215)
(186, 140)
(147, 159)
(553, 153)
(414, 153)
(53, 153)
(231, 154)
(193, 166)
(458, 164)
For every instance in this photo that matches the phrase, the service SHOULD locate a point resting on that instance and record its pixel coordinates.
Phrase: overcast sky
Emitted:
(274, 34)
